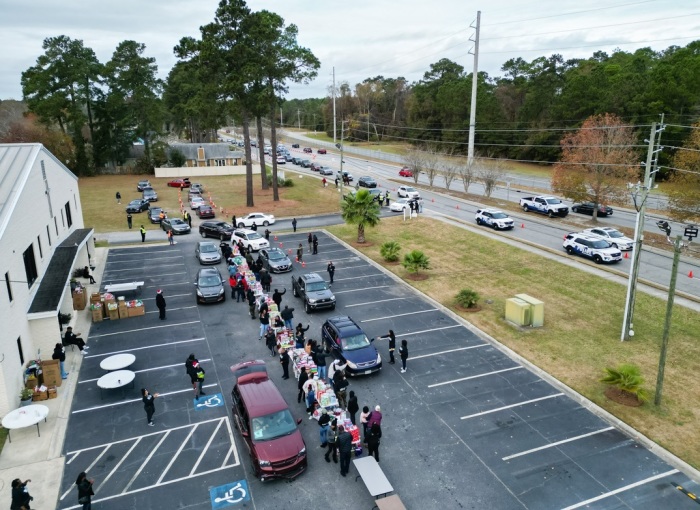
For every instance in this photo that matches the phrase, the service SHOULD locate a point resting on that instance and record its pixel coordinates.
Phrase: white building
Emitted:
(42, 241)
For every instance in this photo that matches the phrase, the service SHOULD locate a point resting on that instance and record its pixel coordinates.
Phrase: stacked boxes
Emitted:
(79, 298)
(51, 372)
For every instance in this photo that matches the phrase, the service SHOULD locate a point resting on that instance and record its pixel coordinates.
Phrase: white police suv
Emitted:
(592, 247)
(616, 238)
(498, 220)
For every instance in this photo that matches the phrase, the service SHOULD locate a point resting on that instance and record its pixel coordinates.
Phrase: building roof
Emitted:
(211, 150)
(58, 273)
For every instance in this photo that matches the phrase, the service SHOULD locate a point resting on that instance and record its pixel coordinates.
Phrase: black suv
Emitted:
(346, 341)
(219, 229)
(314, 291)
(154, 214)
(366, 182)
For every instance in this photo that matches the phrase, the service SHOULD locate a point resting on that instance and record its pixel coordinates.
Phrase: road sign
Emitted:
(228, 495)
(691, 232)
(208, 401)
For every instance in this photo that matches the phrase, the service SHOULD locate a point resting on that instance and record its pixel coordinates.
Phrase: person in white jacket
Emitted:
(310, 389)
(335, 366)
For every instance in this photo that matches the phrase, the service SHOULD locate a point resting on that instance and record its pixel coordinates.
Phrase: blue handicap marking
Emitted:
(207, 401)
(228, 495)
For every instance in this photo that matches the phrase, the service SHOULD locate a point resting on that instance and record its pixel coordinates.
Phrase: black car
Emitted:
(296, 160)
(308, 150)
(344, 338)
(306, 163)
(366, 182)
(154, 214)
(275, 260)
(219, 229)
(138, 205)
(587, 208)
(209, 286)
(295, 146)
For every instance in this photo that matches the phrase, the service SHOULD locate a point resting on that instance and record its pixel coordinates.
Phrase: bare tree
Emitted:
(467, 173)
(490, 174)
(414, 159)
(450, 171)
(431, 164)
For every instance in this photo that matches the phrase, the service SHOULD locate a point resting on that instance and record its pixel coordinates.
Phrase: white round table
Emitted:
(117, 362)
(25, 417)
(116, 379)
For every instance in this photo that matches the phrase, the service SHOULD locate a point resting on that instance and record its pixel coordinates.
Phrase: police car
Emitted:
(616, 238)
(498, 220)
(592, 247)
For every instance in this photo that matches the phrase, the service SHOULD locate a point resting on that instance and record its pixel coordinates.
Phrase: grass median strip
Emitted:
(583, 319)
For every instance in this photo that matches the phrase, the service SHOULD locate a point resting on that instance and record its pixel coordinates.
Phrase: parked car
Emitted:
(209, 286)
(587, 208)
(275, 260)
(314, 291)
(308, 150)
(177, 225)
(407, 192)
(297, 160)
(250, 239)
(616, 238)
(150, 194)
(405, 172)
(207, 252)
(260, 219)
(138, 205)
(288, 158)
(154, 214)
(270, 432)
(196, 201)
(295, 146)
(322, 151)
(592, 247)
(206, 211)
(281, 160)
(366, 182)
(219, 229)
(344, 338)
(325, 170)
(179, 183)
(315, 166)
(306, 163)
(399, 205)
(143, 184)
(498, 220)
(197, 188)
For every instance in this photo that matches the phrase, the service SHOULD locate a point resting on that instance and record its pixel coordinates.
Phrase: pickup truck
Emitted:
(314, 291)
(544, 205)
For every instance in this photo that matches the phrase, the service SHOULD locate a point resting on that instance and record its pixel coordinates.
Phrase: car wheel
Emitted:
(294, 292)
(307, 307)
(266, 223)
(575, 209)
(569, 250)
(494, 226)
(524, 208)
(597, 259)
(332, 307)
(614, 245)
(203, 234)
(550, 214)
(478, 221)
(222, 237)
(241, 225)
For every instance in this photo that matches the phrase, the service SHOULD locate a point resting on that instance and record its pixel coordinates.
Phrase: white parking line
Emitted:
(326, 261)
(375, 302)
(121, 461)
(399, 315)
(411, 333)
(551, 445)
(147, 370)
(170, 264)
(511, 405)
(143, 464)
(169, 284)
(474, 376)
(622, 489)
(173, 309)
(199, 339)
(360, 290)
(179, 450)
(144, 329)
(358, 276)
(448, 351)
(134, 252)
(206, 447)
(169, 296)
(149, 276)
(342, 268)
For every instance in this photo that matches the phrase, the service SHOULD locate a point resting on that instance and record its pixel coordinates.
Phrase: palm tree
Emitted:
(360, 209)
(416, 260)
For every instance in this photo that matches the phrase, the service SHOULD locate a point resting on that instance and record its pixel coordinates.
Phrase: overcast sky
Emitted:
(361, 38)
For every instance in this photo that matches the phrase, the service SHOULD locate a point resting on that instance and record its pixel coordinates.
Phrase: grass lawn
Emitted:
(583, 317)
(101, 211)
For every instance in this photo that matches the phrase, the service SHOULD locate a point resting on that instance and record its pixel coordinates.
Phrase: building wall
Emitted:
(29, 221)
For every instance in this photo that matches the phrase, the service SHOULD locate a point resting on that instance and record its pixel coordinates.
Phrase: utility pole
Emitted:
(281, 120)
(334, 112)
(643, 189)
(298, 119)
(342, 175)
(472, 107)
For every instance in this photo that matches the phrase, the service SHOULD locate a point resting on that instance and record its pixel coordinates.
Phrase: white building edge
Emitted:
(42, 241)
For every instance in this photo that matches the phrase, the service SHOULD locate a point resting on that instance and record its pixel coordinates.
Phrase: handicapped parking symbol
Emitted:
(229, 495)
(216, 400)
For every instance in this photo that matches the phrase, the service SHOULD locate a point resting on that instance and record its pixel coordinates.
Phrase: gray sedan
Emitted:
(207, 252)
(176, 225)
(275, 260)
(210, 286)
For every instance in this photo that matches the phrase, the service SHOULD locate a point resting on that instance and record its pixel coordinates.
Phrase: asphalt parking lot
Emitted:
(465, 427)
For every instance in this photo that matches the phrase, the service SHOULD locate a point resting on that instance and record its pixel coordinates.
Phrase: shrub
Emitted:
(415, 260)
(467, 298)
(390, 251)
(282, 183)
(627, 378)
(177, 158)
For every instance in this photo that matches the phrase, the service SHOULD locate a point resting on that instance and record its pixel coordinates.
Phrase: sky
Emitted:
(360, 39)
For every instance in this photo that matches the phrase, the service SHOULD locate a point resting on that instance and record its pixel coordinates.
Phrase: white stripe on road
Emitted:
(112, 281)
(173, 309)
(510, 406)
(355, 267)
(474, 376)
(145, 347)
(121, 461)
(400, 315)
(131, 401)
(140, 268)
(622, 489)
(358, 276)
(144, 329)
(551, 445)
(146, 370)
(326, 261)
(360, 290)
(375, 302)
(448, 351)
(131, 252)
(179, 450)
(169, 296)
(206, 447)
(429, 330)
(143, 464)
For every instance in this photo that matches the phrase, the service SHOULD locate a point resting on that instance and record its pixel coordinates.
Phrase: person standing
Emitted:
(60, 355)
(188, 218)
(160, 303)
(364, 416)
(380, 198)
(294, 224)
(353, 407)
(264, 322)
(300, 253)
(288, 316)
(199, 374)
(386, 198)
(340, 384)
(392, 345)
(310, 239)
(344, 449)
(324, 422)
(332, 438)
(250, 296)
(189, 368)
(119, 197)
(143, 234)
(310, 389)
(20, 495)
(265, 279)
(271, 341)
(315, 243)
(170, 237)
(299, 335)
(403, 352)
(267, 234)
(321, 362)
(277, 297)
(374, 417)
(234, 222)
(128, 220)
(148, 404)
(331, 270)
(85, 491)
(375, 433)
(336, 366)
(284, 360)
(336, 182)
(303, 377)
(324, 182)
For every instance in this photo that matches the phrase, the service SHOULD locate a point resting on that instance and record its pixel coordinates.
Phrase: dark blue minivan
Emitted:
(346, 341)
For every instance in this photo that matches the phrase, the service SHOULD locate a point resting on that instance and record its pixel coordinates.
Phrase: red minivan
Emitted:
(269, 430)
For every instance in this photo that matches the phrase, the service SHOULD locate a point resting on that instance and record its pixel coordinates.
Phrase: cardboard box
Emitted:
(95, 297)
(40, 395)
(113, 314)
(135, 311)
(122, 309)
(79, 300)
(53, 392)
(97, 315)
(31, 383)
(51, 371)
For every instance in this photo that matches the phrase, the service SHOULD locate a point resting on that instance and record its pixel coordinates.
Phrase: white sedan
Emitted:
(408, 192)
(616, 238)
(259, 219)
(400, 205)
(196, 201)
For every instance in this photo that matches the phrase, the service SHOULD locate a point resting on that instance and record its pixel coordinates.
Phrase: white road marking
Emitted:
(111, 280)
(400, 315)
(360, 290)
(448, 351)
(179, 450)
(326, 261)
(115, 468)
(475, 376)
(206, 447)
(143, 464)
(411, 333)
(131, 401)
(145, 329)
(132, 252)
(375, 302)
(145, 347)
(551, 445)
(510, 406)
(358, 276)
(169, 296)
(173, 309)
(170, 264)
(147, 370)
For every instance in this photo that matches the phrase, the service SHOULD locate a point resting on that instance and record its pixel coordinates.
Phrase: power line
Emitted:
(598, 45)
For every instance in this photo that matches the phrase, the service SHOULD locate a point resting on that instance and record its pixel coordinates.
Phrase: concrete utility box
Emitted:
(518, 312)
(536, 310)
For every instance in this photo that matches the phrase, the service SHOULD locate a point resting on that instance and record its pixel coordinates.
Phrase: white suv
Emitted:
(407, 192)
(498, 220)
(250, 239)
(592, 247)
(616, 238)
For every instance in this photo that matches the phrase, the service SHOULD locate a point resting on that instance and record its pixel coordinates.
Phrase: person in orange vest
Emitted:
(161, 215)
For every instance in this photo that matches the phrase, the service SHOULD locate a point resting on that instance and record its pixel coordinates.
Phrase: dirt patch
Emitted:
(418, 277)
(366, 244)
(622, 397)
(464, 309)
(394, 263)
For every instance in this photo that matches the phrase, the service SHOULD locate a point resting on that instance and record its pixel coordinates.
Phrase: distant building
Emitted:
(42, 242)
(207, 154)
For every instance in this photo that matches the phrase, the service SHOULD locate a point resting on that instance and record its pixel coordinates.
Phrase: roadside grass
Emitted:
(583, 317)
(101, 211)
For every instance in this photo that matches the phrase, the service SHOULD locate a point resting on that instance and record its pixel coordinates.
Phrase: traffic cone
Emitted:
(458, 207)
(303, 264)
(522, 225)
(289, 251)
(627, 255)
(275, 238)
(282, 244)
(690, 274)
(296, 259)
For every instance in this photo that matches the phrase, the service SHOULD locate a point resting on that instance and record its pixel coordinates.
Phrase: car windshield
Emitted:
(224, 226)
(177, 221)
(553, 201)
(615, 233)
(197, 199)
(208, 248)
(209, 281)
(135, 202)
(600, 244)
(499, 215)
(276, 255)
(316, 286)
(155, 212)
(410, 189)
(273, 426)
(353, 343)
(254, 235)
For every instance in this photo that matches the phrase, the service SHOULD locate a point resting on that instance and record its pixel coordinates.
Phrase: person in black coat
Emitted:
(340, 385)
(20, 495)
(284, 360)
(303, 377)
(250, 296)
(271, 341)
(160, 303)
(392, 345)
(310, 238)
(353, 407)
(332, 438)
(148, 404)
(372, 438)
(277, 297)
(321, 362)
(287, 316)
(265, 279)
(85, 491)
(189, 368)
(60, 355)
(315, 243)
(331, 270)
(344, 449)
(294, 224)
(403, 352)
(299, 335)
(71, 338)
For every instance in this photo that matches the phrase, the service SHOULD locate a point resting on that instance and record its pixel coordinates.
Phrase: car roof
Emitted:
(202, 243)
(585, 236)
(311, 277)
(260, 394)
(208, 270)
(345, 325)
(245, 231)
(491, 210)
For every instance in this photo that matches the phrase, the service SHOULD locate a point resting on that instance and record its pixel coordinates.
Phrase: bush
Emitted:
(415, 261)
(282, 183)
(144, 166)
(177, 158)
(390, 251)
(467, 298)
(627, 378)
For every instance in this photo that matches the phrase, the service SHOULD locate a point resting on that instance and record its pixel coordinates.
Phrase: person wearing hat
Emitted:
(160, 303)
(199, 374)
(324, 422)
